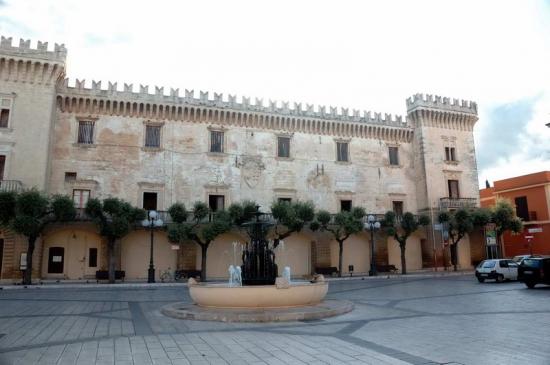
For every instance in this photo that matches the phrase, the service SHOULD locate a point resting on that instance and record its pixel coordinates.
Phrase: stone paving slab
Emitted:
(416, 320)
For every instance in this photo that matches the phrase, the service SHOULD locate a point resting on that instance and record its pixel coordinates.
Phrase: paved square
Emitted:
(418, 320)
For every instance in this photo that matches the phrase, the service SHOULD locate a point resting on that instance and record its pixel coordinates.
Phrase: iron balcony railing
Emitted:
(11, 185)
(457, 203)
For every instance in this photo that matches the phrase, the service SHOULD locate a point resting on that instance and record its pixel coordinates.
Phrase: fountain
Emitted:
(254, 292)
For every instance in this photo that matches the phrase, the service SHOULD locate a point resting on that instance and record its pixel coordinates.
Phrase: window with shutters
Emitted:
(394, 155)
(81, 197)
(85, 132)
(5, 110)
(342, 151)
(283, 147)
(216, 141)
(454, 192)
(152, 136)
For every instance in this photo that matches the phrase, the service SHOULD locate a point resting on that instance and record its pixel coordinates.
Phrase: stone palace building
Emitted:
(153, 148)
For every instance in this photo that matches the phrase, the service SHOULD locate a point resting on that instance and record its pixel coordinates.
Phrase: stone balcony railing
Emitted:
(457, 203)
(11, 185)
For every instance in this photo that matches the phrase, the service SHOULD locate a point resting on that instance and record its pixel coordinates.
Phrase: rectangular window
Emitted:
(80, 198)
(92, 257)
(450, 154)
(398, 208)
(86, 132)
(284, 200)
(454, 193)
(4, 118)
(216, 202)
(342, 151)
(149, 201)
(283, 147)
(2, 166)
(152, 136)
(522, 209)
(70, 176)
(345, 205)
(216, 141)
(394, 156)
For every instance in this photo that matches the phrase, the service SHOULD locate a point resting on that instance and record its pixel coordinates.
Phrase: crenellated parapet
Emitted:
(442, 112)
(33, 65)
(219, 109)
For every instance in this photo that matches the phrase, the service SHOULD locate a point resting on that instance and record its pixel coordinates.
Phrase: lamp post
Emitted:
(152, 221)
(372, 224)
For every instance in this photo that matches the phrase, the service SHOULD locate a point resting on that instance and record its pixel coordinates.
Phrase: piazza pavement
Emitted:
(421, 319)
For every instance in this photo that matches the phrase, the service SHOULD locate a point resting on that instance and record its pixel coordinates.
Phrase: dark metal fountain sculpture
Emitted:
(259, 267)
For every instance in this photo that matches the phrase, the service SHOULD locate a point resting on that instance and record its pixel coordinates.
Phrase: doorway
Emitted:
(56, 259)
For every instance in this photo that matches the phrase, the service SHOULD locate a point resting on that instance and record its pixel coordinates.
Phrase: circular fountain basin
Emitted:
(258, 296)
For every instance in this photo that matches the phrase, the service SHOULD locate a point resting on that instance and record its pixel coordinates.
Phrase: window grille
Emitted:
(394, 156)
(284, 147)
(86, 132)
(398, 208)
(152, 136)
(216, 141)
(342, 151)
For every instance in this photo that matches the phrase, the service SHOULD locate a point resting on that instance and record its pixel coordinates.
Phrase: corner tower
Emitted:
(446, 167)
(28, 78)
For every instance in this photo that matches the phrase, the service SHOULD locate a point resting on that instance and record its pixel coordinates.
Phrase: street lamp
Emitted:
(372, 224)
(152, 221)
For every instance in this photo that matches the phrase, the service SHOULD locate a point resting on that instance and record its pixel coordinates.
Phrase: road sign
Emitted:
(535, 230)
(529, 237)
(438, 226)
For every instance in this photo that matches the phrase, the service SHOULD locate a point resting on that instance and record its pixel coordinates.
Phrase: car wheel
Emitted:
(530, 284)
(481, 280)
(500, 278)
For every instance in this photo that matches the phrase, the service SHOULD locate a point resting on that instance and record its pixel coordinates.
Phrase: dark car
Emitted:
(534, 270)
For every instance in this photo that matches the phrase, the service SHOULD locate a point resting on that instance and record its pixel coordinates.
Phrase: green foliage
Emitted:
(481, 216)
(344, 223)
(458, 223)
(323, 217)
(242, 212)
(504, 216)
(294, 216)
(113, 216)
(200, 211)
(178, 212)
(7, 206)
(63, 208)
(407, 225)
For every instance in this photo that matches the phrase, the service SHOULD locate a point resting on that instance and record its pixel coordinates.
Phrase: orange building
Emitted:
(531, 196)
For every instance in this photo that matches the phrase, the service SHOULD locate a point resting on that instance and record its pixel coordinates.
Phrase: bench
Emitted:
(327, 271)
(186, 274)
(104, 275)
(387, 268)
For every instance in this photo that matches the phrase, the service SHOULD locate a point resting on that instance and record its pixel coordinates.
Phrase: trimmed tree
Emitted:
(203, 228)
(402, 229)
(459, 223)
(503, 215)
(28, 213)
(344, 225)
(114, 218)
(291, 218)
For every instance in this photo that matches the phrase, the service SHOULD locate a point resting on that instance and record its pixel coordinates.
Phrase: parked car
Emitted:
(535, 270)
(519, 258)
(497, 269)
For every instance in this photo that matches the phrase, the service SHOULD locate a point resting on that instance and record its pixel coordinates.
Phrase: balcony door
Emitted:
(2, 166)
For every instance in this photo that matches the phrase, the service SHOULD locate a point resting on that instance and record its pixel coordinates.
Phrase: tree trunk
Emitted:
(204, 248)
(340, 258)
(27, 278)
(453, 256)
(403, 260)
(111, 248)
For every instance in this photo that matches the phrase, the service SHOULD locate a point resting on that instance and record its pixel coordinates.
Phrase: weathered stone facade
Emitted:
(44, 147)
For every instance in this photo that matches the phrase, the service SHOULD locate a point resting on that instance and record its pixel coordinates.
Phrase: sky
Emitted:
(357, 54)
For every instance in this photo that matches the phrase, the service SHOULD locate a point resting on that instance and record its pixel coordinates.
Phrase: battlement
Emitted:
(58, 53)
(438, 102)
(218, 100)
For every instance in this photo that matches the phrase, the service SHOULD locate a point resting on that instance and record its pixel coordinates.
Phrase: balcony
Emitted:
(457, 203)
(11, 185)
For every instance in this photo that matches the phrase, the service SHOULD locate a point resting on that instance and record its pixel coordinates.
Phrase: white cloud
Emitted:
(367, 55)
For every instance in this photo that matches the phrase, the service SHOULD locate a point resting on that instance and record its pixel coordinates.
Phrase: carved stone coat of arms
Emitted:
(251, 170)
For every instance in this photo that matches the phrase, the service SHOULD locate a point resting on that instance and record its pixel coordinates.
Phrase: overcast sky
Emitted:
(365, 55)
